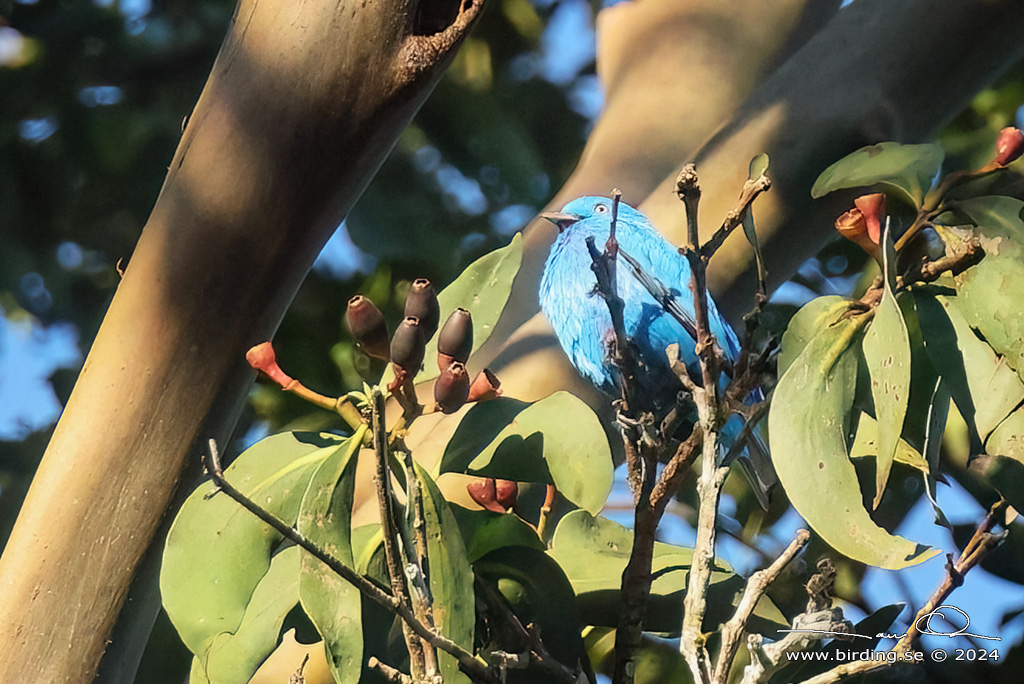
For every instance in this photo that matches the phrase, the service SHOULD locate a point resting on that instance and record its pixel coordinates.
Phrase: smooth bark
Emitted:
(304, 102)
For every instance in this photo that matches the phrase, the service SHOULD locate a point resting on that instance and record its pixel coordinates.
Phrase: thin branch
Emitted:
(385, 504)
(469, 664)
(387, 672)
(758, 583)
(751, 189)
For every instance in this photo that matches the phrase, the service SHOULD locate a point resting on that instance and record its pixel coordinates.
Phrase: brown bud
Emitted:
(262, 358)
(456, 337)
(1009, 145)
(366, 324)
(485, 386)
(452, 388)
(506, 492)
(421, 302)
(483, 491)
(873, 208)
(408, 345)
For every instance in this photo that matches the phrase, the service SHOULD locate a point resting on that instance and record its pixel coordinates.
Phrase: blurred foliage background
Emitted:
(93, 98)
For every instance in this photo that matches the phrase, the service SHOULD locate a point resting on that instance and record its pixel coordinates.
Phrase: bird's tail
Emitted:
(755, 462)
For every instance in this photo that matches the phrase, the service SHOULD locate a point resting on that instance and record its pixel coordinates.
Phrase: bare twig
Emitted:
(389, 673)
(388, 524)
(756, 586)
(469, 664)
(751, 189)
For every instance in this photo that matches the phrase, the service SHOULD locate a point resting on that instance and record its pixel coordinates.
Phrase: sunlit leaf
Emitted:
(451, 578)
(231, 545)
(908, 169)
(992, 290)
(808, 423)
(983, 386)
(1005, 474)
(331, 603)
(805, 324)
(887, 354)
(1008, 437)
(865, 444)
(558, 440)
(482, 289)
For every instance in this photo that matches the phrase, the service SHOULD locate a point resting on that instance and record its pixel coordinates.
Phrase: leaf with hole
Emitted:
(808, 423)
(325, 519)
(887, 354)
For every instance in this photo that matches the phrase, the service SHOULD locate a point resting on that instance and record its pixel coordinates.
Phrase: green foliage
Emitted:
(230, 614)
(907, 169)
(513, 440)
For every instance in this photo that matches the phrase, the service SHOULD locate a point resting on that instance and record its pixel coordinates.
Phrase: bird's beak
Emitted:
(560, 219)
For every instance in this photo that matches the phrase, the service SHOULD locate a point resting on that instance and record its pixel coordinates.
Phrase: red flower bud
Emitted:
(366, 324)
(506, 492)
(1009, 145)
(485, 386)
(421, 302)
(873, 208)
(408, 345)
(452, 388)
(456, 337)
(483, 491)
(262, 358)
(854, 227)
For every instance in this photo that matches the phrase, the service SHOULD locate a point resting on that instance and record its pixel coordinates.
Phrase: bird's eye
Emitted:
(601, 208)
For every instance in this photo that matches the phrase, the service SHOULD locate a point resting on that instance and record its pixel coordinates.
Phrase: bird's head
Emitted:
(584, 208)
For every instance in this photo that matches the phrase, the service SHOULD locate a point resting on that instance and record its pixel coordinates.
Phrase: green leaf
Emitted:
(485, 531)
(1005, 474)
(908, 169)
(758, 167)
(887, 353)
(231, 545)
(594, 551)
(539, 593)
(331, 603)
(234, 657)
(482, 289)
(557, 440)
(983, 386)
(992, 290)
(808, 423)
(806, 323)
(865, 444)
(1008, 437)
(450, 575)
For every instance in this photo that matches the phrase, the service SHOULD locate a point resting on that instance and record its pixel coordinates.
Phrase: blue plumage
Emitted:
(583, 325)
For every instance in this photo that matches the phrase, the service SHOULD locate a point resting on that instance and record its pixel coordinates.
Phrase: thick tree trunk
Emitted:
(304, 102)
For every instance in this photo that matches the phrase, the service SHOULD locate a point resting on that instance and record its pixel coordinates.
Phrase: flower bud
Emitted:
(873, 208)
(366, 324)
(456, 338)
(485, 386)
(484, 491)
(506, 492)
(421, 302)
(408, 345)
(262, 358)
(1009, 145)
(452, 388)
(853, 226)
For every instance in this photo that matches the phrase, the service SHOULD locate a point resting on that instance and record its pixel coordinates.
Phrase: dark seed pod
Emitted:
(456, 337)
(422, 303)
(452, 388)
(408, 345)
(366, 324)
(506, 492)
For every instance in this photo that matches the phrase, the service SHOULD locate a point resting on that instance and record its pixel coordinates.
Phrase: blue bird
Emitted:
(583, 325)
